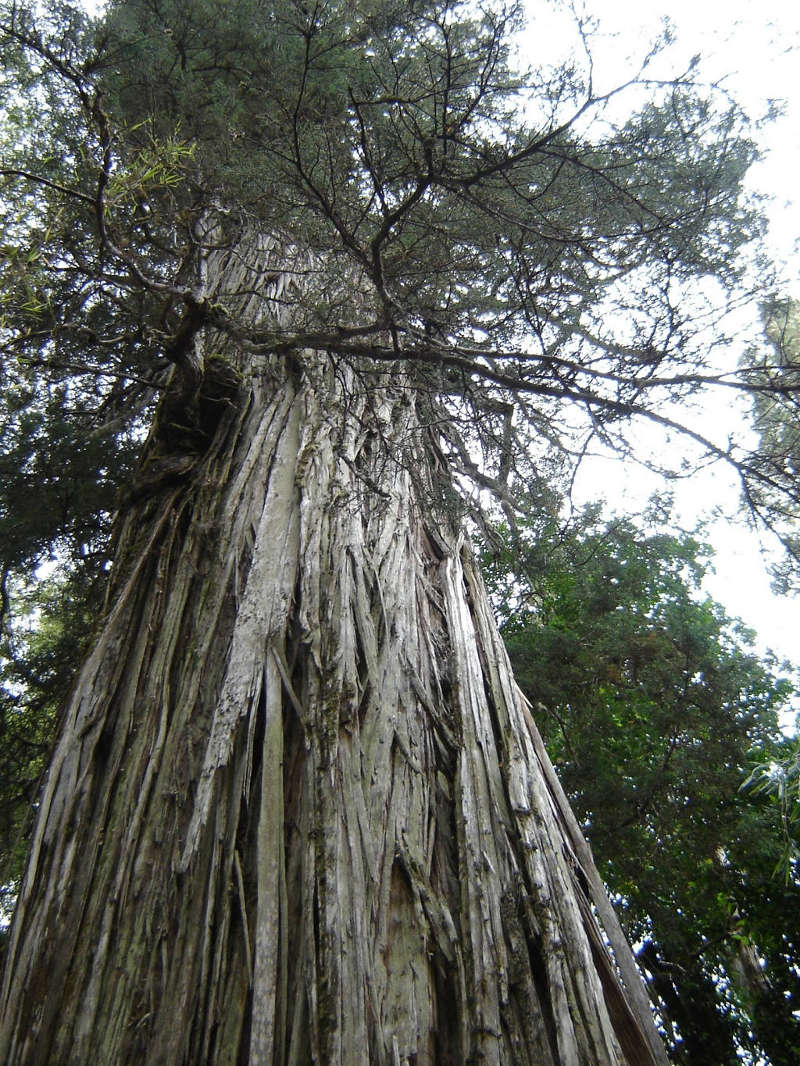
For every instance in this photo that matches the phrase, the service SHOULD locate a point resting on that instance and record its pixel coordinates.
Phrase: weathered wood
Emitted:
(298, 811)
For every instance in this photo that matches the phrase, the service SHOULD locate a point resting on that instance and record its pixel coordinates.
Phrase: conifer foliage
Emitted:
(332, 268)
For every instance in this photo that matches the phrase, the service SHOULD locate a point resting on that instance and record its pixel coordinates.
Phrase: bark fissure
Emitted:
(299, 812)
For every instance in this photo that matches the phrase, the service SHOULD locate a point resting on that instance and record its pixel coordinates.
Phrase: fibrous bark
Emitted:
(299, 811)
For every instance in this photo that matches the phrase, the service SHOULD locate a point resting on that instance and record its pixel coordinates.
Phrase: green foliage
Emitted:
(56, 484)
(775, 378)
(501, 207)
(526, 242)
(65, 452)
(41, 651)
(540, 265)
(654, 710)
(779, 778)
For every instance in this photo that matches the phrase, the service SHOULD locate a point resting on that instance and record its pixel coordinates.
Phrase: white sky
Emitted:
(755, 45)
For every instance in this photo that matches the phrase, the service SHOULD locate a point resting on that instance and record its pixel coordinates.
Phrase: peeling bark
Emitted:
(299, 811)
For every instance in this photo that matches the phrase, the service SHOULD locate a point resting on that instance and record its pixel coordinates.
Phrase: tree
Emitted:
(653, 708)
(774, 409)
(42, 650)
(779, 778)
(298, 810)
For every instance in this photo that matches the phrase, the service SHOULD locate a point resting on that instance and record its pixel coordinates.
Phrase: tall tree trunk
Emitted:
(299, 812)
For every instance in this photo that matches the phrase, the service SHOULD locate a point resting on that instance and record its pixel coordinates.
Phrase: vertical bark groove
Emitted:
(299, 811)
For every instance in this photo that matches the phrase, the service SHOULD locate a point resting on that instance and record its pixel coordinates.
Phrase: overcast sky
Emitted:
(755, 44)
(756, 47)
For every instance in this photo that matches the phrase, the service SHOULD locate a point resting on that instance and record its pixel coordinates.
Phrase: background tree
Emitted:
(775, 369)
(653, 708)
(41, 652)
(779, 778)
(775, 419)
(297, 810)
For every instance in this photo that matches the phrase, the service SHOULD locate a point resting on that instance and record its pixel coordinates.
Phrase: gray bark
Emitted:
(299, 811)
